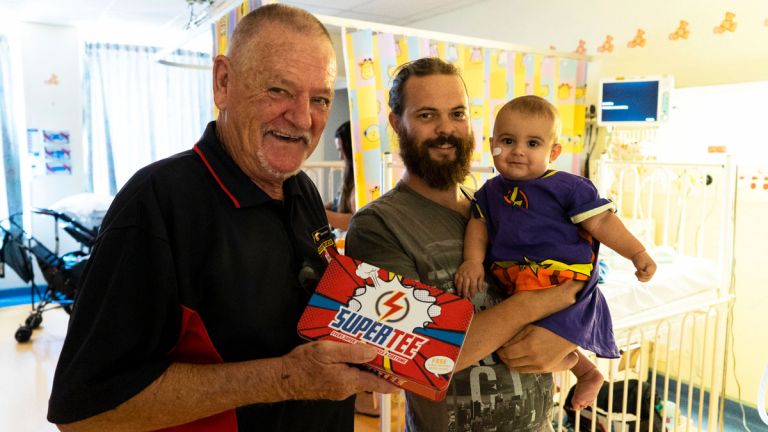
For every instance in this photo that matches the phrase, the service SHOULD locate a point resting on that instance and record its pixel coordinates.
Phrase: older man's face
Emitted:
(435, 134)
(277, 102)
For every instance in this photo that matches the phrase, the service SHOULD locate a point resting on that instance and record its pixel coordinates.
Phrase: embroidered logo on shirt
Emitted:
(516, 197)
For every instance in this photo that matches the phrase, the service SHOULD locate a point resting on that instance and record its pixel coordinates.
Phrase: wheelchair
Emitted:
(61, 272)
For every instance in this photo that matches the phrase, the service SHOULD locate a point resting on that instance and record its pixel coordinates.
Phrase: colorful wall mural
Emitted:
(493, 77)
(223, 27)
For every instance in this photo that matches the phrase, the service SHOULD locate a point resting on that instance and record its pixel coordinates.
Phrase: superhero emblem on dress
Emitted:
(516, 197)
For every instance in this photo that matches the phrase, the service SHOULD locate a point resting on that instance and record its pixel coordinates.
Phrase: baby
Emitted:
(537, 226)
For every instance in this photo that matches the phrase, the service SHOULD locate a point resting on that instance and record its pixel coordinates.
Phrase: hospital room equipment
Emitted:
(61, 272)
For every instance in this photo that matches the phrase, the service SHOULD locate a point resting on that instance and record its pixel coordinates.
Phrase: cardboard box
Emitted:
(418, 330)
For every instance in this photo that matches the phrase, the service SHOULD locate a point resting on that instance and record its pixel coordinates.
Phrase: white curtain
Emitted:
(10, 174)
(138, 110)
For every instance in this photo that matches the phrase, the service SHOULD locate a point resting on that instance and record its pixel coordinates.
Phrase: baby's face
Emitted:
(523, 145)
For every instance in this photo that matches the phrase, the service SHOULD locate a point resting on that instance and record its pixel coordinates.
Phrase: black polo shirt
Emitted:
(194, 263)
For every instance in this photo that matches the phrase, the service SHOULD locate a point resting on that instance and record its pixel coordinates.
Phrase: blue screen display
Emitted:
(633, 101)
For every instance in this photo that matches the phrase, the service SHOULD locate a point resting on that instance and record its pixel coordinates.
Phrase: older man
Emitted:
(188, 310)
(417, 229)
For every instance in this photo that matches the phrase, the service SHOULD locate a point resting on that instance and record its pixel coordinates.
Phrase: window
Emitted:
(138, 110)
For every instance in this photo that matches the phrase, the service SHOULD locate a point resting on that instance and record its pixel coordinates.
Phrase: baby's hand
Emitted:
(469, 278)
(645, 266)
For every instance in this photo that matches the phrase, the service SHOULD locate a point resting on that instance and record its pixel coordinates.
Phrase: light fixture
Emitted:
(196, 17)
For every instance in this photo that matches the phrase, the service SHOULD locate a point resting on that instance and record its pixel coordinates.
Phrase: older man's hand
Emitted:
(321, 370)
(536, 350)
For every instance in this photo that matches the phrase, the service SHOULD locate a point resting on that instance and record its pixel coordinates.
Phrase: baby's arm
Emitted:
(470, 275)
(608, 229)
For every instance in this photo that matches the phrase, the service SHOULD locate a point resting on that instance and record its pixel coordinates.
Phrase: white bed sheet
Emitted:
(680, 282)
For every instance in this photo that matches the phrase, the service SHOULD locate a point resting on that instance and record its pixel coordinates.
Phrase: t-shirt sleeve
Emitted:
(480, 203)
(585, 202)
(369, 240)
(125, 322)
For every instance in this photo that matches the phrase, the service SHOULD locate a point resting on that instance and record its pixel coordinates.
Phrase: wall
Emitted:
(339, 114)
(749, 316)
(326, 148)
(45, 51)
(704, 58)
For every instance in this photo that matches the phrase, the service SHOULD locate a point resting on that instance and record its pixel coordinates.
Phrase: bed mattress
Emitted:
(681, 283)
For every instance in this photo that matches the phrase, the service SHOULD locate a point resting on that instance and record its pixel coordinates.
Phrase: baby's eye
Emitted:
(533, 144)
(507, 141)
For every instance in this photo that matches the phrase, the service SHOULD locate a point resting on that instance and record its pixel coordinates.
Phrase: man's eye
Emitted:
(278, 91)
(460, 115)
(425, 115)
(321, 101)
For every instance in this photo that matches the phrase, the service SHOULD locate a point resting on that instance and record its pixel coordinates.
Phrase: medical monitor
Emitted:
(642, 101)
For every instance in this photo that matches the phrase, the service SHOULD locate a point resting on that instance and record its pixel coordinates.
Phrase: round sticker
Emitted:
(439, 365)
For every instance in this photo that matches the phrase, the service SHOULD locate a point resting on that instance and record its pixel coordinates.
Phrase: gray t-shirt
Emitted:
(406, 233)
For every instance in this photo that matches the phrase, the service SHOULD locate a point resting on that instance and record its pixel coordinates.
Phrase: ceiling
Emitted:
(163, 23)
(174, 14)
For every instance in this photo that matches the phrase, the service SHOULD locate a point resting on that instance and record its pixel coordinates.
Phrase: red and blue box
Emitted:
(417, 329)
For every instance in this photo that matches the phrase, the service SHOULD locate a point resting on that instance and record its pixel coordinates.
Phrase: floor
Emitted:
(26, 372)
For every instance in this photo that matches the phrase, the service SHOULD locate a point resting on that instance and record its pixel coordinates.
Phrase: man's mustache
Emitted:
(442, 140)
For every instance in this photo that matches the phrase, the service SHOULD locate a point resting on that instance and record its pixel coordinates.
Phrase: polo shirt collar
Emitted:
(238, 187)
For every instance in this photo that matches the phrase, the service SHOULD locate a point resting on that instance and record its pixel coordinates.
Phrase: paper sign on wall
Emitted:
(58, 153)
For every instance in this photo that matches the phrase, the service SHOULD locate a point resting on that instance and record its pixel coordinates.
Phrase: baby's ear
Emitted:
(555, 152)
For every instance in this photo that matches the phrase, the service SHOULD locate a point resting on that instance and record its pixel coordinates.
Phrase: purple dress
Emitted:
(537, 221)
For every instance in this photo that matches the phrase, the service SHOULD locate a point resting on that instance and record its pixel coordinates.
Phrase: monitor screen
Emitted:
(630, 102)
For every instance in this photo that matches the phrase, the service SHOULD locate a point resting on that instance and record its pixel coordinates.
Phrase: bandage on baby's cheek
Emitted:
(496, 151)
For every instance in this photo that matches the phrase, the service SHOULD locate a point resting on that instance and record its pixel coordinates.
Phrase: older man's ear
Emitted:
(221, 70)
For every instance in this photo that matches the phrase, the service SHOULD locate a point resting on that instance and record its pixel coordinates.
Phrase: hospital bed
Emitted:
(673, 330)
(327, 176)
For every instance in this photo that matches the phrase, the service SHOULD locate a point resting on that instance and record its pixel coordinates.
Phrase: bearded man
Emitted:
(417, 230)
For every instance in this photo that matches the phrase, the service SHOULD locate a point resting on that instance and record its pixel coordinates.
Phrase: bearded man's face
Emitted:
(441, 162)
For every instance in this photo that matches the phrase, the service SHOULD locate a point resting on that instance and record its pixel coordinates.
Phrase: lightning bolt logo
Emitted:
(511, 198)
(392, 304)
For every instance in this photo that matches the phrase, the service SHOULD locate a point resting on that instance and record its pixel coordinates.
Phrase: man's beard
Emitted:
(440, 174)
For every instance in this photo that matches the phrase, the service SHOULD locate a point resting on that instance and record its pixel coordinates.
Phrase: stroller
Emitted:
(61, 272)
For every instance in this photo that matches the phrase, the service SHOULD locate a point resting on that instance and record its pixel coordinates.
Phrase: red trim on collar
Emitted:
(218, 180)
